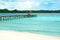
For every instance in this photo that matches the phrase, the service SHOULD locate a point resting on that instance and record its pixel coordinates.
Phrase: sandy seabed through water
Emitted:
(15, 35)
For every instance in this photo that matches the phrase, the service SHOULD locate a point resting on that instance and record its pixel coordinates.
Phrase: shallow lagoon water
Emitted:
(48, 24)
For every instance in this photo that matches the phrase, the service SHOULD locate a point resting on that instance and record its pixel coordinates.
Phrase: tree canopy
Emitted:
(28, 11)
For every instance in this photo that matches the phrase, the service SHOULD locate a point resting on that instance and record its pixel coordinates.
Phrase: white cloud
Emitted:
(37, 3)
(26, 5)
(30, 4)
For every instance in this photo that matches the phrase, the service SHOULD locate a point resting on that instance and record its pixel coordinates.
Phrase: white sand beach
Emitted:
(15, 35)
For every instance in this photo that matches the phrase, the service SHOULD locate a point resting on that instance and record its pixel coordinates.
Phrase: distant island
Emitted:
(28, 11)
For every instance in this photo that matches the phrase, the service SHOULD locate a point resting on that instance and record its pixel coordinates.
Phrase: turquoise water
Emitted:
(48, 24)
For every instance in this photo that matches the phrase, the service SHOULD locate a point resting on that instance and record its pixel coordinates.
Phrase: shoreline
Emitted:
(16, 35)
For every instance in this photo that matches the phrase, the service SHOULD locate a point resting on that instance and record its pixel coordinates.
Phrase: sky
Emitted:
(30, 4)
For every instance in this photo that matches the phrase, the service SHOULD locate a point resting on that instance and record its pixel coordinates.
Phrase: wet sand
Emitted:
(15, 35)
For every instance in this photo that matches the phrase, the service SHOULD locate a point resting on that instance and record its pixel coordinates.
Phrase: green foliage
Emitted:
(28, 11)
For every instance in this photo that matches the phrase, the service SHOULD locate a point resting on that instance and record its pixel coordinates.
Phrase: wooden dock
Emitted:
(4, 16)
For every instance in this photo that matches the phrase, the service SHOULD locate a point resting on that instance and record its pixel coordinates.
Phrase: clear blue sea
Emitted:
(43, 23)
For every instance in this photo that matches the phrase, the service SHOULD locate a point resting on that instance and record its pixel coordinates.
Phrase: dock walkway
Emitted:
(4, 16)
